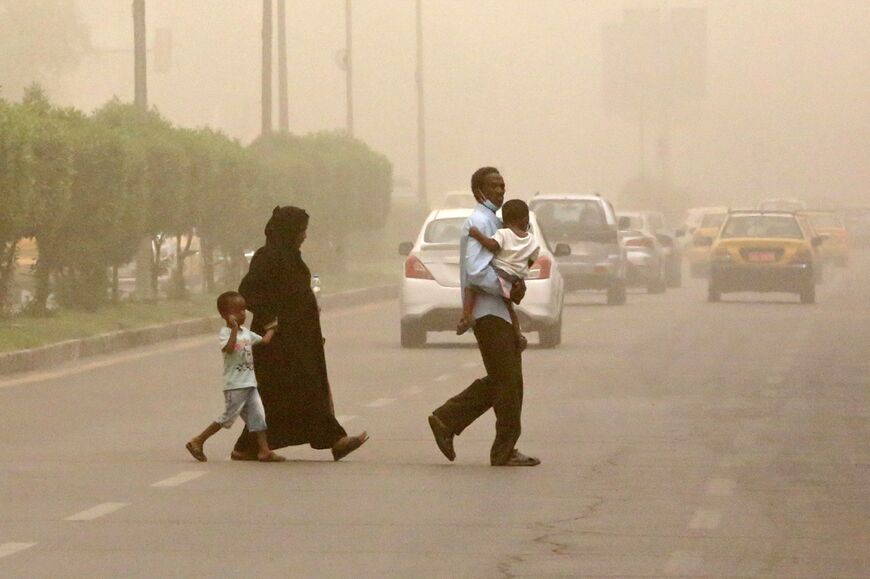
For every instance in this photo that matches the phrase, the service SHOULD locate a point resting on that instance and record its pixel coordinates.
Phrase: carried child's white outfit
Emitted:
(241, 397)
(512, 260)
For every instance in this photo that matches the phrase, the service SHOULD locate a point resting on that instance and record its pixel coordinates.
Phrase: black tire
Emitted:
(616, 295)
(551, 336)
(675, 273)
(658, 285)
(808, 294)
(412, 335)
(713, 293)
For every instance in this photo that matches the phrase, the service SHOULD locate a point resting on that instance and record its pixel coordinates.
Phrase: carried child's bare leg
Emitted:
(522, 342)
(264, 453)
(466, 322)
(195, 444)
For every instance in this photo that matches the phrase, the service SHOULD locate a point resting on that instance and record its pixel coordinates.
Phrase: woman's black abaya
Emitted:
(291, 370)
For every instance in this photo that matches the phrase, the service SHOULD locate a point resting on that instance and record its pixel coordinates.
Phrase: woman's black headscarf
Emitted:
(285, 225)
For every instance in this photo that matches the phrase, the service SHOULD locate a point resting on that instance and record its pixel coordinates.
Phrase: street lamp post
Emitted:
(422, 193)
(348, 57)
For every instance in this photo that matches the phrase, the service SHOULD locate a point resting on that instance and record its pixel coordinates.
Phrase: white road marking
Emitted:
(180, 478)
(380, 402)
(345, 417)
(683, 563)
(443, 377)
(7, 549)
(96, 512)
(721, 487)
(705, 519)
(102, 363)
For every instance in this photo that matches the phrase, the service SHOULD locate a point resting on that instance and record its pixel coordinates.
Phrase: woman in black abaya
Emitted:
(291, 370)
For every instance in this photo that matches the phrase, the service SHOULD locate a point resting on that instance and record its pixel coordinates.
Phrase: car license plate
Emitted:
(762, 256)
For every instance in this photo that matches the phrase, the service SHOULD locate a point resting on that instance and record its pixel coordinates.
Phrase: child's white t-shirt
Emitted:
(515, 252)
(239, 364)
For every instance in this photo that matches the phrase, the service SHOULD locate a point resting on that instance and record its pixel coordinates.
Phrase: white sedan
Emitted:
(431, 299)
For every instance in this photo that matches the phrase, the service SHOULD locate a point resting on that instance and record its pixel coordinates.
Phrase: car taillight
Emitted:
(640, 242)
(541, 268)
(803, 256)
(414, 269)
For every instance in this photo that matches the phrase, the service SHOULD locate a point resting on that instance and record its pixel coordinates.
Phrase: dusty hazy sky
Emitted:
(517, 83)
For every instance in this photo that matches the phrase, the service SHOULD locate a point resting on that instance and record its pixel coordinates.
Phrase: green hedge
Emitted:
(90, 188)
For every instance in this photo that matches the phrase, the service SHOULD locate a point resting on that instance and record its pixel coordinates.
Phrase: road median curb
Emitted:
(108, 343)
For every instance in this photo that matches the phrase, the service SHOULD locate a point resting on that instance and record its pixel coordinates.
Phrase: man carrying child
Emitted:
(502, 388)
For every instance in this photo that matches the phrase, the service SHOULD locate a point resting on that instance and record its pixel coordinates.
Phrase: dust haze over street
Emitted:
(678, 438)
(696, 383)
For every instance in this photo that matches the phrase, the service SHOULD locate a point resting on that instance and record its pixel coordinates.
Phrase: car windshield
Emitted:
(445, 230)
(712, 220)
(762, 226)
(781, 205)
(634, 221)
(568, 221)
(827, 220)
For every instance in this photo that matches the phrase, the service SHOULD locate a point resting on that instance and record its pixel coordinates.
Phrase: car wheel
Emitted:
(551, 336)
(675, 273)
(658, 285)
(713, 293)
(413, 335)
(616, 293)
(808, 294)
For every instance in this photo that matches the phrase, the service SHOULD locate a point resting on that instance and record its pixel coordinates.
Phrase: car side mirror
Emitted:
(703, 241)
(405, 248)
(562, 250)
(624, 224)
(817, 241)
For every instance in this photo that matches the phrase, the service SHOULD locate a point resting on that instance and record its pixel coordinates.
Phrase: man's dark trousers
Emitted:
(501, 389)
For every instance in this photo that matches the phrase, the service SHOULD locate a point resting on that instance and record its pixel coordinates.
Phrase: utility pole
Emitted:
(144, 256)
(267, 69)
(348, 57)
(283, 121)
(139, 50)
(422, 192)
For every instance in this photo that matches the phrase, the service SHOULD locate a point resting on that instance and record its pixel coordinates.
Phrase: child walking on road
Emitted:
(240, 384)
(515, 250)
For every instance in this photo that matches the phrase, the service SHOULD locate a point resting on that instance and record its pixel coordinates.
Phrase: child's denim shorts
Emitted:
(244, 402)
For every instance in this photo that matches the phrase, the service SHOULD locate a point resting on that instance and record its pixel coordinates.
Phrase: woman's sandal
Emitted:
(353, 443)
(272, 457)
(238, 455)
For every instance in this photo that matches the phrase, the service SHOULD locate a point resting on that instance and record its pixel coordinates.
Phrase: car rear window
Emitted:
(444, 230)
(762, 226)
(713, 220)
(567, 221)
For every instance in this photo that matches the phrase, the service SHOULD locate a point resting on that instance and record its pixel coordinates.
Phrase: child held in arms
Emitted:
(514, 251)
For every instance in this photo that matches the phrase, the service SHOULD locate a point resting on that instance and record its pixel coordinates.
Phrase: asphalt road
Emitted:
(677, 437)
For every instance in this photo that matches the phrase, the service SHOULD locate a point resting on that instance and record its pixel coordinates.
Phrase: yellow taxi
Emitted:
(698, 251)
(829, 226)
(764, 252)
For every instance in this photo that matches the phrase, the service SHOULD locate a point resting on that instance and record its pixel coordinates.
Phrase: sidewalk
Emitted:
(71, 350)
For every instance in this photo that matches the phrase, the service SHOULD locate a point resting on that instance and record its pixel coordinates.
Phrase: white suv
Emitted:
(431, 299)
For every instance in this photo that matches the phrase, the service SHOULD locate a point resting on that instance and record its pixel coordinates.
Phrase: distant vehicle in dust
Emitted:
(782, 204)
(765, 251)
(459, 199)
(588, 224)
